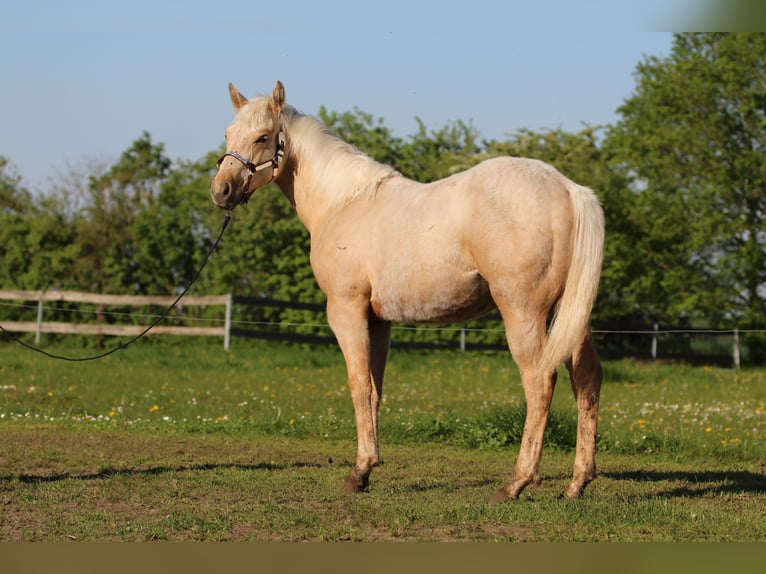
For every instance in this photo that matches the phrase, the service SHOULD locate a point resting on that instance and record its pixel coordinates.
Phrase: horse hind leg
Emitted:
(585, 375)
(526, 335)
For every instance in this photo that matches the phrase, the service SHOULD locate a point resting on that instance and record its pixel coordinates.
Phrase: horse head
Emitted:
(255, 145)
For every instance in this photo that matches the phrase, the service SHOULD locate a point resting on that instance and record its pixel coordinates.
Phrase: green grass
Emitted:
(187, 442)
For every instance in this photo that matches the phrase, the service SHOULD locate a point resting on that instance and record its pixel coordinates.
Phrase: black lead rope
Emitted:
(226, 221)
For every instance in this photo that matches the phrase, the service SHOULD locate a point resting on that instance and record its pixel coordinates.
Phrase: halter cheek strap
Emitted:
(254, 168)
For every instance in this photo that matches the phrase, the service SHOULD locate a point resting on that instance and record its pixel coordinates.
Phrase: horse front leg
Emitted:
(364, 342)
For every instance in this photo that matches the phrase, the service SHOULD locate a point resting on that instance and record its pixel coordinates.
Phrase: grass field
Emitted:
(187, 442)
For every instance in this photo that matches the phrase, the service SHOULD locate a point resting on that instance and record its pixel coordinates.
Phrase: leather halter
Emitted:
(274, 162)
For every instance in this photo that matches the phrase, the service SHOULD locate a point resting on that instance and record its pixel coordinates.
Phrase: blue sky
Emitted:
(82, 79)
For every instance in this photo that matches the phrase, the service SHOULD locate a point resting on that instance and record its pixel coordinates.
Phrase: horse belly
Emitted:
(426, 297)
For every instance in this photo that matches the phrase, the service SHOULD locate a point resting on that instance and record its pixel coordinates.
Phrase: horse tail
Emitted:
(572, 314)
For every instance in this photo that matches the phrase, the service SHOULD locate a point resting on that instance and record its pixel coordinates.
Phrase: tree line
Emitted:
(681, 176)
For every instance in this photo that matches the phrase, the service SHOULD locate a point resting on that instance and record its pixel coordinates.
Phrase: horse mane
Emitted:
(340, 171)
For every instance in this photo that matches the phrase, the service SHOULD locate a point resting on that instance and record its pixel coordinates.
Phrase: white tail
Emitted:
(572, 315)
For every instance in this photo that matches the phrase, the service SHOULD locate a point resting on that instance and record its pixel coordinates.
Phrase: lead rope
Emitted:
(156, 322)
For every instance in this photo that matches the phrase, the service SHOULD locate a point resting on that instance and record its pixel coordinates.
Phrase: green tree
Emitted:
(106, 234)
(693, 136)
(14, 197)
(175, 230)
(425, 156)
(35, 235)
(432, 155)
(365, 132)
(15, 205)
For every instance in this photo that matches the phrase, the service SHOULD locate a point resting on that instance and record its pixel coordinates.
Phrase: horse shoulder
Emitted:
(338, 252)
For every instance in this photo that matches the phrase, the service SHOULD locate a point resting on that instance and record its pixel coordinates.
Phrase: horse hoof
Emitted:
(356, 483)
(512, 490)
(500, 497)
(572, 492)
(576, 488)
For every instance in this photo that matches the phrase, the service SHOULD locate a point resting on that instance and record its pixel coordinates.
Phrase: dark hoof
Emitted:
(356, 483)
(500, 497)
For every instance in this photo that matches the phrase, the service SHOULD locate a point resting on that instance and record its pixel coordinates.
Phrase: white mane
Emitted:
(340, 171)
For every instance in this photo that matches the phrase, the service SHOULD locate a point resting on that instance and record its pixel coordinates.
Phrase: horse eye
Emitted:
(263, 139)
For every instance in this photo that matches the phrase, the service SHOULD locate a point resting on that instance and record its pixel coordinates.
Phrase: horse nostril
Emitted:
(221, 192)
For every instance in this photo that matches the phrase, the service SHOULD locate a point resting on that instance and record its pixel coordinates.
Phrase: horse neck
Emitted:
(295, 183)
(322, 173)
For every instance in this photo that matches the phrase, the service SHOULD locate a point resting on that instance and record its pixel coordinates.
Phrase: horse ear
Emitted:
(237, 99)
(277, 103)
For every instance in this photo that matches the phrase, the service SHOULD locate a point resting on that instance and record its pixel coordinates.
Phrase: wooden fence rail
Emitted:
(99, 328)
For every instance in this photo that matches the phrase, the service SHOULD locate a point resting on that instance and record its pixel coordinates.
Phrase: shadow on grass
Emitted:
(107, 473)
(695, 483)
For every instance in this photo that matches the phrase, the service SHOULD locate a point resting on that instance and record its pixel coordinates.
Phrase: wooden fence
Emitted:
(614, 340)
(100, 327)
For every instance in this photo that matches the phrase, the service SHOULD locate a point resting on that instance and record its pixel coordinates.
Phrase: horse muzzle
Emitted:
(227, 196)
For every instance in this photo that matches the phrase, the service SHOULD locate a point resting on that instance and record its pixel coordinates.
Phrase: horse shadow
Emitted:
(107, 473)
(680, 484)
(694, 484)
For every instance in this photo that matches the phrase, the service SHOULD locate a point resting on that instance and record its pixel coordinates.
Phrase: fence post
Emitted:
(735, 350)
(462, 338)
(99, 321)
(654, 342)
(227, 323)
(39, 318)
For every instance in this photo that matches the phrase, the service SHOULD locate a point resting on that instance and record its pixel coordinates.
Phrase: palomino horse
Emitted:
(509, 233)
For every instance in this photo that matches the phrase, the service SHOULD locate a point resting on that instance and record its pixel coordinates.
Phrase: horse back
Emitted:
(430, 252)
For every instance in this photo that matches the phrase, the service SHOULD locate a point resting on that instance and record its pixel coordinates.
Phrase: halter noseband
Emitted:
(274, 162)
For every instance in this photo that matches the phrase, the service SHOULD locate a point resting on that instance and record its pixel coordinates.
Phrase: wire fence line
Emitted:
(20, 302)
(446, 328)
(677, 331)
